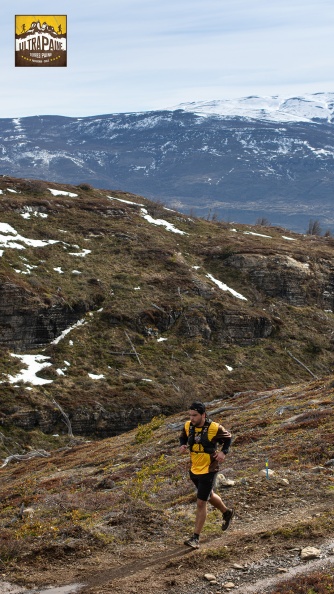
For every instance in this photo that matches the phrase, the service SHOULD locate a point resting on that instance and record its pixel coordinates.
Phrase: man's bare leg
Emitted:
(228, 514)
(216, 501)
(200, 516)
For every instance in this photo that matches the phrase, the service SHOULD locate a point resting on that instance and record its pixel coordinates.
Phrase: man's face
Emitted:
(196, 418)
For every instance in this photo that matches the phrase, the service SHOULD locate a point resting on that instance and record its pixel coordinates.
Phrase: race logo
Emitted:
(40, 40)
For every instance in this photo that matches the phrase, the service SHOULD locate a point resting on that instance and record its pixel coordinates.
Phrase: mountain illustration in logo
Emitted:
(37, 28)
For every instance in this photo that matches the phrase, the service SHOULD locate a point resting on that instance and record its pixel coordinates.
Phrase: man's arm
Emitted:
(183, 436)
(183, 440)
(224, 438)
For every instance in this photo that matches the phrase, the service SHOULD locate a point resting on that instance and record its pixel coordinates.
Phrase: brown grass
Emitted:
(123, 488)
(313, 583)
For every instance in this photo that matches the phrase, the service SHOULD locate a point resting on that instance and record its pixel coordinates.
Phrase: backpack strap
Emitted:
(201, 438)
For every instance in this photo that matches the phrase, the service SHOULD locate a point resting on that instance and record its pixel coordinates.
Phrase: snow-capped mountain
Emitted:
(309, 108)
(241, 159)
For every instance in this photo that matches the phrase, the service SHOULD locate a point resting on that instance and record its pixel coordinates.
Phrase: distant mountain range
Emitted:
(309, 108)
(241, 160)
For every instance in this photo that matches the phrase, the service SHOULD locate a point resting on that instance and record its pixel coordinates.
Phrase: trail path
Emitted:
(178, 570)
(185, 567)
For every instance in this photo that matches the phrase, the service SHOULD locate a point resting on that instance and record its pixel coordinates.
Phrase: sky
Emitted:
(141, 55)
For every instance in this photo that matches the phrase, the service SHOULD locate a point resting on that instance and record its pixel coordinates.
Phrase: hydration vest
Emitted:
(201, 438)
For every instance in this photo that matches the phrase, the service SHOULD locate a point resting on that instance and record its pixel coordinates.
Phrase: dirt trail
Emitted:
(157, 570)
(238, 530)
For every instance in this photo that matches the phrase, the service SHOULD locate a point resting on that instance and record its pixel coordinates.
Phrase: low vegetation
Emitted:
(314, 583)
(89, 498)
(155, 332)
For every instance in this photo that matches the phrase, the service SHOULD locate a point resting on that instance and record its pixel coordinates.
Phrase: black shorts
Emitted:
(204, 484)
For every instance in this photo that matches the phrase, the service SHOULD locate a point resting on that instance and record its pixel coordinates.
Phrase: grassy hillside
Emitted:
(137, 309)
(108, 509)
(159, 307)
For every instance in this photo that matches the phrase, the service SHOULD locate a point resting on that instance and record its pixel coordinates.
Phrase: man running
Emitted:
(202, 437)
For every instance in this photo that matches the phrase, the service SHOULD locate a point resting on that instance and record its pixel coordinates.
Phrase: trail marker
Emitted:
(267, 468)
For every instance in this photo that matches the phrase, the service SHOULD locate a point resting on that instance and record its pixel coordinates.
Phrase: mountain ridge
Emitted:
(303, 108)
(238, 168)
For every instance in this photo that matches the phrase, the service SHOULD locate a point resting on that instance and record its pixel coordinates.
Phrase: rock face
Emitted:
(241, 328)
(96, 421)
(298, 282)
(25, 322)
(106, 424)
(221, 325)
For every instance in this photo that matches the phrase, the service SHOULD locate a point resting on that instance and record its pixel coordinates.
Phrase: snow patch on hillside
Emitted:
(9, 238)
(34, 364)
(149, 219)
(67, 330)
(224, 287)
(166, 224)
(62, 193)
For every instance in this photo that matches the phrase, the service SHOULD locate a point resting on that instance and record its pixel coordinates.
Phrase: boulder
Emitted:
(264, 472)
(222, 481)
(310, 553)
(210, 577)
(283, 481)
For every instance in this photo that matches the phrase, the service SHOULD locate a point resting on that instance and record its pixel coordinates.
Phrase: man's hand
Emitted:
(183, 448)
(219, 456)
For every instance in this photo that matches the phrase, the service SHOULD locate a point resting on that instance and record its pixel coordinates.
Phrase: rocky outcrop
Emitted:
(158, 318)
(299, 282)
(26, 322)
(96, 421)
(241, 328)
(224, 326)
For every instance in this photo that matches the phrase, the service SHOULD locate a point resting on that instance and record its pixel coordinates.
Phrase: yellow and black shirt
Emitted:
(202, 462)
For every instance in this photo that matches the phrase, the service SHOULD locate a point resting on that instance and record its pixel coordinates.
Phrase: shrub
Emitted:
(314, 583)
(262, 222)
(156, 209)
(144, 432)
(32, 186)
(314, 227)
(86, 187)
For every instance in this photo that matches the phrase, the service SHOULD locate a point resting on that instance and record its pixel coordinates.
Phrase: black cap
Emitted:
(199, 406)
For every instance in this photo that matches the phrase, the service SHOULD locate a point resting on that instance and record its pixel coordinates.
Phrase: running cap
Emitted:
(199, 406)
